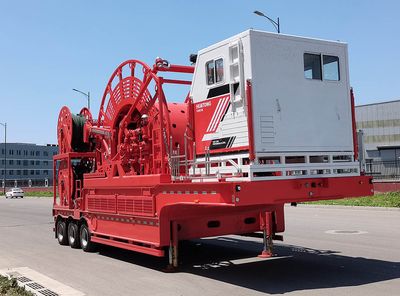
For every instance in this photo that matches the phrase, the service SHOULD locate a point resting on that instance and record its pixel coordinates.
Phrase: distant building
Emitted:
(380, 125)
(26, 165)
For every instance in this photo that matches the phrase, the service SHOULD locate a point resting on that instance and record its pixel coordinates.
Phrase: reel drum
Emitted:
(70, 130)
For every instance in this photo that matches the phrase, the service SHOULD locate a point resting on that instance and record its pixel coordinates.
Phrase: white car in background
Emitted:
(15, 192)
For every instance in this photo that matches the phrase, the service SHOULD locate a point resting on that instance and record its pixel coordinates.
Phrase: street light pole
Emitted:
(276, 23)
(5, 156)
(87, 95)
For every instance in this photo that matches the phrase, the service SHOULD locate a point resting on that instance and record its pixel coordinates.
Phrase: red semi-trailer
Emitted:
(269, 120)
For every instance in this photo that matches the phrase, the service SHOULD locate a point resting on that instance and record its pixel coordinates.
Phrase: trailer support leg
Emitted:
(173, 249)
(267, 235)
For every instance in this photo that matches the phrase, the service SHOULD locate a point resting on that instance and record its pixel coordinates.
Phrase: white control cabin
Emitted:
(301, 107)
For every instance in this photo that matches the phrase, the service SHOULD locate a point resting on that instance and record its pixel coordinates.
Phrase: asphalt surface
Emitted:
(312, 260)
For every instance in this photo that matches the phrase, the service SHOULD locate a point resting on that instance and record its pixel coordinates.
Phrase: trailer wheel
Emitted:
(85, 239)
(73, 235)
(61, 229)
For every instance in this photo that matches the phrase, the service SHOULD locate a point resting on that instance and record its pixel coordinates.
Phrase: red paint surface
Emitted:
(386, 186)
(250, 119)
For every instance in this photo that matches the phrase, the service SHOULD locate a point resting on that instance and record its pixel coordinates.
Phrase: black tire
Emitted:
(73, 235)
(61, 231)
(85, 239)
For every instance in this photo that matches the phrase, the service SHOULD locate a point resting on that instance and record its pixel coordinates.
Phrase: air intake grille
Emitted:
(135, 205)
(103, 203)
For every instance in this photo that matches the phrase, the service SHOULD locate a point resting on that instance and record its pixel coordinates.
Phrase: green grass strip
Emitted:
(10, 288)
(39, 194)
(387, 200)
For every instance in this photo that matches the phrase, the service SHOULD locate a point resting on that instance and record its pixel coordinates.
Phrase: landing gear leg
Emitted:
(267, 236)
(173, 249)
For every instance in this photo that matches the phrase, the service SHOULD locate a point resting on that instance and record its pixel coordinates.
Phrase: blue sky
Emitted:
(49, 47)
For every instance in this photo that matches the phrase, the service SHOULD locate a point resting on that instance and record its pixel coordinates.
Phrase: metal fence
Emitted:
(383, 170)
(9, 183)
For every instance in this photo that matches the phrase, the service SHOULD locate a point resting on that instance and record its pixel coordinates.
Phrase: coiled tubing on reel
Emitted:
(70, 131)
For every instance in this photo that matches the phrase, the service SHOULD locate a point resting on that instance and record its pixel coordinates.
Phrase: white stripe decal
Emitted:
(217, 112)
(213, 117)
(216, 119)
(231, 140)
(221, 113)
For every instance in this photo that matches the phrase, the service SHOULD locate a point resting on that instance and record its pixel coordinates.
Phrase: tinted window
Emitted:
(312, 66)
(331, 68)
(210, 72)
(219, 70)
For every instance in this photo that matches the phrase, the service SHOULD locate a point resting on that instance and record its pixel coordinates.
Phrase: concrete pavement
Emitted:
(323, 254)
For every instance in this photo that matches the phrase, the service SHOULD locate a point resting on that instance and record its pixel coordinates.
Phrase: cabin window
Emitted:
(215, 71)
(331, 68)
(210, 72)
(219, 70)
(312, 66)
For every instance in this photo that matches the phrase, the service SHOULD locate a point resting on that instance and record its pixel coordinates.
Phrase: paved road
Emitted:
(310, 261)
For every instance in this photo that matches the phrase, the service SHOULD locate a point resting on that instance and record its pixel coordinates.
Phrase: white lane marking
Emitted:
(346, 232)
